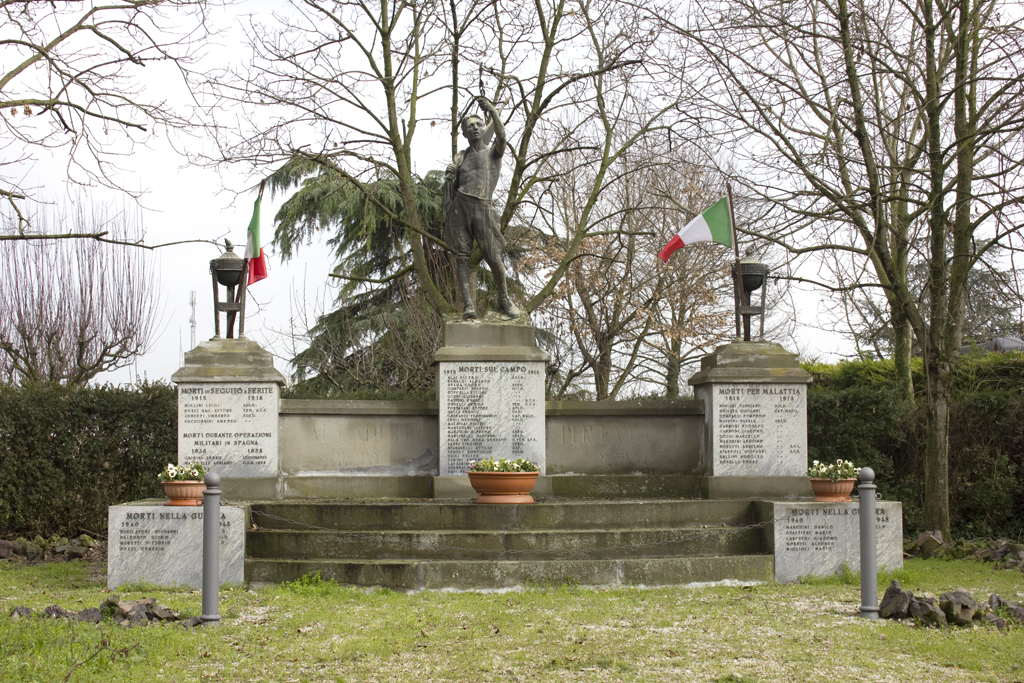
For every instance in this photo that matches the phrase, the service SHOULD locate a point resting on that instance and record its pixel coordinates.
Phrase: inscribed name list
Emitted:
(759, 429)
(816, 539)
(490, 409)
(164, 545)
(230, 428)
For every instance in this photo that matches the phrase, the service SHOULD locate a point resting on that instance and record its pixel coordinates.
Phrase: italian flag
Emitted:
(713, 225)
(253, 247)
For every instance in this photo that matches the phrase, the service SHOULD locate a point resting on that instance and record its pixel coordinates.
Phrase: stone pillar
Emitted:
(490, 393)
(755, 421)
(228, 403)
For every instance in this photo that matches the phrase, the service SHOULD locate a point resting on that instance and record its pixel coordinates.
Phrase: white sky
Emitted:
(184, 202)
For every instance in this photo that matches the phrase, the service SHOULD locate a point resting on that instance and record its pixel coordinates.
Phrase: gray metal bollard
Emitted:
(868, 552)
(211, 550)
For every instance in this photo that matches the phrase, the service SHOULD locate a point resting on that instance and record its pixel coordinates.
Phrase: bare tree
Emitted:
(75, 309)
(72, 82)
(632, 322)
(992, 307)
(866, 128)
(352, 87)
(696, 310)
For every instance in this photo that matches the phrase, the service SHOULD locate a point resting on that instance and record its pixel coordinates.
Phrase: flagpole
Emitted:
(243, 283)
(259, 200)
(739, 270)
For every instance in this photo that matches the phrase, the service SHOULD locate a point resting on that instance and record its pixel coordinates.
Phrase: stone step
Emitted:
(429, 515)
(490, 574)
(549, 544)
(336, 486)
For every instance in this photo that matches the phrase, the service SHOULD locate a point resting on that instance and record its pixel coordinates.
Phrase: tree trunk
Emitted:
(903, 342)
(936, 362)
(672, 368)
(433, 294)
(602, 373)
(936, 457)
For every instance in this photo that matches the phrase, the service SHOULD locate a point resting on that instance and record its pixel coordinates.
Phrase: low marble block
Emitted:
(232, 428)
(163, 545)
(358, 445)
(490, 409)
(816, 539)
(757, 429)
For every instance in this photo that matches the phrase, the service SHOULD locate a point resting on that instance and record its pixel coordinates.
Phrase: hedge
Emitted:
(853, 413)
(66, 453)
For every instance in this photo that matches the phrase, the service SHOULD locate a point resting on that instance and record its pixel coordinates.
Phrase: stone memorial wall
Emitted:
(624, 437)
(358, 438)
(232, 428)
(758, 429)
(816, 539)
(490, 409)
(163, 545)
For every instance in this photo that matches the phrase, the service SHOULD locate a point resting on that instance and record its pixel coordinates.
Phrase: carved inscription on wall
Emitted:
(490, 409)
(623, 444)
(230, 428)
(164, 545)
(817, 538)
(759, 429)
(372, 445)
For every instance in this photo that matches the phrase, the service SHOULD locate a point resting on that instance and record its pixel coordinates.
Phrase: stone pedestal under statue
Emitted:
(754, 441)
(490, 393)
(228, 404)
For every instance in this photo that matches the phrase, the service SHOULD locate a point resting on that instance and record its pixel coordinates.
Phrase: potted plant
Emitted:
(503, 481)
(833, 483)
(183, 484)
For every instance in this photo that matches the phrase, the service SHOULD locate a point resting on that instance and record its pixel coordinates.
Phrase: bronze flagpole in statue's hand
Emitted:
(489, 130)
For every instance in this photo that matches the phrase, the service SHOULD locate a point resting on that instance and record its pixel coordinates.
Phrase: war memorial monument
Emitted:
(375, 492)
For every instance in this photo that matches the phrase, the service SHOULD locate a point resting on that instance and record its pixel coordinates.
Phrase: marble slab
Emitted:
(489, 409)
(757, 429)
(623, 444)
(151, 542)
(358, 445)
(815, 539)
(232, 428)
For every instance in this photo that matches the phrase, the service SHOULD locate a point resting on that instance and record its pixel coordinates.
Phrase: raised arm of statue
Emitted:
(498, 146)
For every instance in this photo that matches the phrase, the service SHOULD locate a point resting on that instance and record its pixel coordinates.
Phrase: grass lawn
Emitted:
(320, 632)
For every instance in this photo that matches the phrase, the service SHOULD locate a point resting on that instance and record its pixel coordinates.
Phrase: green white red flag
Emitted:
(253, 246)
(713, 225)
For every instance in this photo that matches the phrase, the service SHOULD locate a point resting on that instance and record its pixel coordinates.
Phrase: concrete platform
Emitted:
(394, 515)
(448, 544)
(756, 488)
(626, 486)
(545, 544)
(588, 486)
(480, 575)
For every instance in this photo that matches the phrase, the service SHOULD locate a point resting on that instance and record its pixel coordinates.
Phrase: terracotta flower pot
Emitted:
(828, 491)
(184, 492)
(503, 487)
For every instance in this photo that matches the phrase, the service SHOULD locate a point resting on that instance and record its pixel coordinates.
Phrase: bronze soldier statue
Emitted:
(469, 184)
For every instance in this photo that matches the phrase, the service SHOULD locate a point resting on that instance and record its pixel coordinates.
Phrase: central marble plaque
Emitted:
(231, 428)
(490, 409)
(151, 542)
(758, 429)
